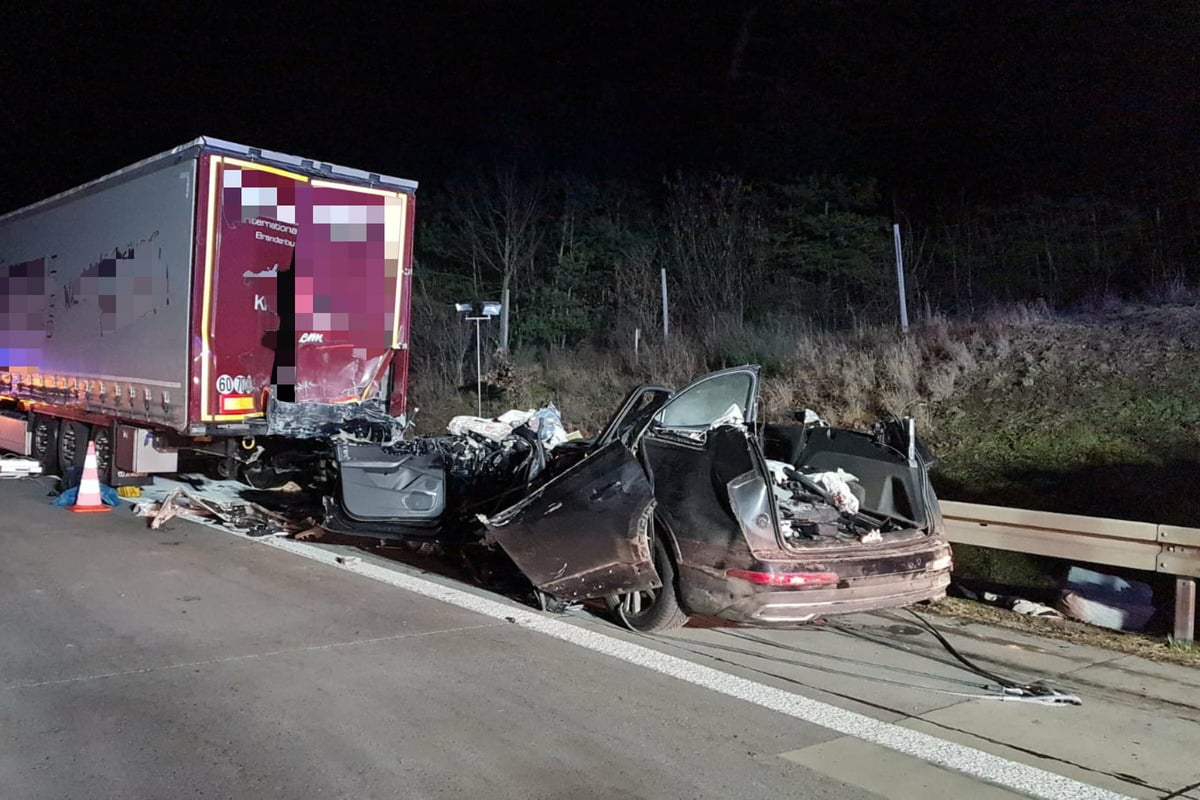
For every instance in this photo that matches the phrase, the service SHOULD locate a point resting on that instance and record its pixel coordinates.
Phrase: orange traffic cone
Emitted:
(89, 498)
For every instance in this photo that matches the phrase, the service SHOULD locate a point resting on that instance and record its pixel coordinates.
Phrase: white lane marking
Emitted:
(886, 773)
(208, 662)
(968, 760)
(985, 766)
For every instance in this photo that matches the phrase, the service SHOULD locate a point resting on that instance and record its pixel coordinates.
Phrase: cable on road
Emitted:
(998, 687)
(1036, 692)
(984, 691)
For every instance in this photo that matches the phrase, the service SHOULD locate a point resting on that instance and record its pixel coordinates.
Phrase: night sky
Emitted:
(938, 100)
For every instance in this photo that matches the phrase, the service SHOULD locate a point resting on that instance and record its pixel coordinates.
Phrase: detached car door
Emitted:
(586, 532)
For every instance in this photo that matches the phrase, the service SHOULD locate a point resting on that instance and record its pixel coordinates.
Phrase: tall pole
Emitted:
(478, 373)
(489, 309)
(666, 315)
(900, 278)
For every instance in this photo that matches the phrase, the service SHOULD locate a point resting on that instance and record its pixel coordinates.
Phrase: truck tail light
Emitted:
(237, 403)
(792, 579)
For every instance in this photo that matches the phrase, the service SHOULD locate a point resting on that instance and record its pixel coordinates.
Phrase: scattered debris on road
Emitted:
(242, 516)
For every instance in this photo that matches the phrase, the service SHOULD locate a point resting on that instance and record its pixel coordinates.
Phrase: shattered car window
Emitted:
(640, 405)
(706, 402)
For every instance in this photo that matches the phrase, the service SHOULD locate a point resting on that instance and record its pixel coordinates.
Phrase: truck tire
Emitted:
(72, 444)
(44, 446)
(102, 436)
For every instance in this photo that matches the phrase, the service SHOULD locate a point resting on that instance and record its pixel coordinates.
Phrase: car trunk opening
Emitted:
(829, 490)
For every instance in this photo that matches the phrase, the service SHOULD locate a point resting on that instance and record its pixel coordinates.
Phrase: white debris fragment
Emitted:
(488, 429)
(813, 418)
(778, 470)
(16, 467)
(545, 422)
(732, 417)
(1031, 609)
(837, 485)
(512, 418)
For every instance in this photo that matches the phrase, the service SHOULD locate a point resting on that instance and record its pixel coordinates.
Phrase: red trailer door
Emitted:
(353, 268)
(303, 283)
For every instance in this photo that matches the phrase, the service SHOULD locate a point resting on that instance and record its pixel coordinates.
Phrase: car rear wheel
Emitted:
(651, 610)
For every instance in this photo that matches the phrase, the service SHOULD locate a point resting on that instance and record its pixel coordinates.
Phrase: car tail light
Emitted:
(785, 578)
(945, 561)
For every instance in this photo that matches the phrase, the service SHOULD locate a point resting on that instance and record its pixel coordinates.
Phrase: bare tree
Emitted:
(635, 288)
(444, 340)
(714, 245)
(495, 220)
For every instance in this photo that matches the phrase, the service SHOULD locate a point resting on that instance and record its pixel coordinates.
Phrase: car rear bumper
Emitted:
(794, 606)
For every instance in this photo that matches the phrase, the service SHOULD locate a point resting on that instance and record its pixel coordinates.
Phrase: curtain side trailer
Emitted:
(215, 298)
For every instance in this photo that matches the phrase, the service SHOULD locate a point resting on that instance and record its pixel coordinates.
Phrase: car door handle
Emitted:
(606, 492)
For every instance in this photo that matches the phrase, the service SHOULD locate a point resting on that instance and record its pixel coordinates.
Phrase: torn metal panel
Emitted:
(356, 422)
(249, 518)
(585, 534)
(431, 485)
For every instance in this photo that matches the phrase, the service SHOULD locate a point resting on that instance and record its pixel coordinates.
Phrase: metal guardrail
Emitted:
(1169, 549)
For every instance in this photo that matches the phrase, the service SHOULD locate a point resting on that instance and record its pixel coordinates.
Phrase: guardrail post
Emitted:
(1185, 609)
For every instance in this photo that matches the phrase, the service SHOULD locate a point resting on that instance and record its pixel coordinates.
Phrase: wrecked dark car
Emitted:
(683, 505)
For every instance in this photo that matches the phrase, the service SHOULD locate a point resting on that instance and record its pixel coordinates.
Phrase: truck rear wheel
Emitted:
(102, 436)
(72, 444)
(44, 446)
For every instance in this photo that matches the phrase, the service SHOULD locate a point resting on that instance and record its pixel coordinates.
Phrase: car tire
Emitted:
(44, 445)
(654, 610)
(72, 444)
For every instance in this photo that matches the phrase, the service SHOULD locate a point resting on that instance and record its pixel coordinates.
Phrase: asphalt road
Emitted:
(190, 663)
(186, 663)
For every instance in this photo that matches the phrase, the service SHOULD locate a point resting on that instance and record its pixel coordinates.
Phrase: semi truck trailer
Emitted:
(215, 298)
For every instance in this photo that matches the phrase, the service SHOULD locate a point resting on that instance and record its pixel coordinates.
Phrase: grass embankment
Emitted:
(1095, 414)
